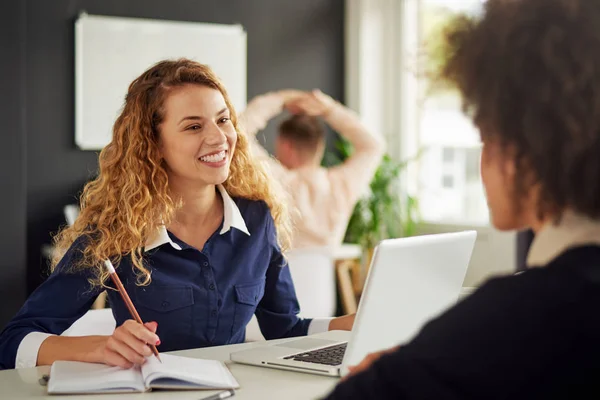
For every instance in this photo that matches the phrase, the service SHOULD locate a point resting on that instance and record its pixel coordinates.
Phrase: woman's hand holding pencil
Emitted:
(134, 340)
(129, 344)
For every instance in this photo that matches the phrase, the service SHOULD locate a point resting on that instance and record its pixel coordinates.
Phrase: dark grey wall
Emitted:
(291, 43)
(12, 159)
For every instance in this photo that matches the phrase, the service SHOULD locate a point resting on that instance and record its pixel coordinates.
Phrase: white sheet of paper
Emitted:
(207, 372)
(72, 376)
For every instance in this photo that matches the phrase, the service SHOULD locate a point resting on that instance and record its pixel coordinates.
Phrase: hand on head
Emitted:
(314, 103)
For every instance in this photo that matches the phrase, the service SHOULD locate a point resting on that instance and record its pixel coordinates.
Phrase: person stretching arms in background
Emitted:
(323, 197)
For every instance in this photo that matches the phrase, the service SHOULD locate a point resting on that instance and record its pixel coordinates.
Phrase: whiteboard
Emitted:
(110, 52)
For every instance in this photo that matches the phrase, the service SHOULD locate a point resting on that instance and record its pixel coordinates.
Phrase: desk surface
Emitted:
(255, 382)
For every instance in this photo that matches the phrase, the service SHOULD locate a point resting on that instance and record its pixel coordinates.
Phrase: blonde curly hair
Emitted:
(130, 200)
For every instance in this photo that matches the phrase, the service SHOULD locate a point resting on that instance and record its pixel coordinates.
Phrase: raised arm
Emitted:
(368, 146)
(259, 111)
(356, 172)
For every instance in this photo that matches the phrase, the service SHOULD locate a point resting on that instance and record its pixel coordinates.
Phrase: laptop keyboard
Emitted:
(332, 355)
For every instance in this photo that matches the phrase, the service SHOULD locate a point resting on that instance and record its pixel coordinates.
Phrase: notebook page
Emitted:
(205, 373)
(80, 377)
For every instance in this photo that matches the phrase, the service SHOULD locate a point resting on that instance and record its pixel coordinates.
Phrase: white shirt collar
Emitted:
(232, 218)
(554, 239)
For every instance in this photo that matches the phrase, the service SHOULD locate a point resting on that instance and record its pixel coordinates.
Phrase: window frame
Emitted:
(379, 34)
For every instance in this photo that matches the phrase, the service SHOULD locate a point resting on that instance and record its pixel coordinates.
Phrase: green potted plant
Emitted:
(384, 212)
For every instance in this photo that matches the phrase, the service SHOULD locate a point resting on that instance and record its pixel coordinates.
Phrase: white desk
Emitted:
(255, 382)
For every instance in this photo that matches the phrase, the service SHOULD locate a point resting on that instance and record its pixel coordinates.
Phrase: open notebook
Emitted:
(175, 372)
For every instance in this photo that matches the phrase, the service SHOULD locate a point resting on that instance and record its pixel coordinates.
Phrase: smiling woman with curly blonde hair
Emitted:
(131, 198)
(192, 222)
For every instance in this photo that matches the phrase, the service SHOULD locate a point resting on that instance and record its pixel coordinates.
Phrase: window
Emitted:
(384, 40)
(383, 86)
(447, 177)
(448, 181)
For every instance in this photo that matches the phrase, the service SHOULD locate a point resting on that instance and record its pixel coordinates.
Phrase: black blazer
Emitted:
(535, 335)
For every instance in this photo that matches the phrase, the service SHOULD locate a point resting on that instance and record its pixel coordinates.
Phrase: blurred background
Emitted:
(368, 54)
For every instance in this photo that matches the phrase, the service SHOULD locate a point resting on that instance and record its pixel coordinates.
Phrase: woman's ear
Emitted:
(508, 160)
(510, 167)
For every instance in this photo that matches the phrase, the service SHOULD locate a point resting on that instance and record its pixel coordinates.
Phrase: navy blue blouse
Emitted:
(198, 298)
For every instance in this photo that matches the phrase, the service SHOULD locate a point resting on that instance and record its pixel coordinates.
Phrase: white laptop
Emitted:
(411, 280)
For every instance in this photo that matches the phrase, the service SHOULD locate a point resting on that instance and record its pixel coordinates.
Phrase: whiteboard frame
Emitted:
(94, 142)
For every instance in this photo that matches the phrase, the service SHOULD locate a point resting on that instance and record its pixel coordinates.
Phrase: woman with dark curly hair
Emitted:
(529, 74)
